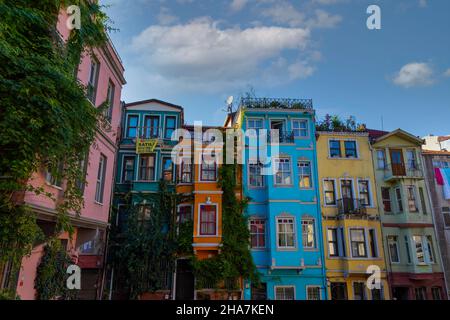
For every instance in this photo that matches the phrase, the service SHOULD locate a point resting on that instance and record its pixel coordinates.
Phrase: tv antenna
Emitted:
(230, 104)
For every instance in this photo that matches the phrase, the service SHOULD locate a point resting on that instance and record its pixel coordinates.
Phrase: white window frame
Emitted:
(164, 128)
(300, 129)
(256, 218)
(369, 190)
(284, 287)
(156, 167)
(249, 174)
(294, 221)
(315, 287)
(100, 181)
(310, 174)
(200, 220)
(414, 193)
(335, 192)
(329, 148)
(396, 249)
(397, 200)
(122, 173)
(126, 136)
(253, 119)
(365, 242)
(356, 149)
(384, 159)
(309, 219)
(290, 172)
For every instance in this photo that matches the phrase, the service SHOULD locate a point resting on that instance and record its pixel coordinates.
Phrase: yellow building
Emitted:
(351, 219)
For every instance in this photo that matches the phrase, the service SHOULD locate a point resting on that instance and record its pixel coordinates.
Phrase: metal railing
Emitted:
(411, 170)
(273, 103)
(282, 137)
(351, 206)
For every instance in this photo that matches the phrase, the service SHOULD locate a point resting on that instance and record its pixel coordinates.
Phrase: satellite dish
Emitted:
(230, 100)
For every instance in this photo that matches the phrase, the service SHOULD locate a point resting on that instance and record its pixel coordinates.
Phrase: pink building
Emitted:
(102, 73)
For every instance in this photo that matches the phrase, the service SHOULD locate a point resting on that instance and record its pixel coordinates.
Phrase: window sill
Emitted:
(54, 186)
(98, 203)
(283, 185)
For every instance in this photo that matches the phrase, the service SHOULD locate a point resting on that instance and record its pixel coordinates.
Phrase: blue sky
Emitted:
(196, 53)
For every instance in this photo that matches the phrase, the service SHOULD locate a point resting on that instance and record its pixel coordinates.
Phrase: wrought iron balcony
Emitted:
(272, 103)
(282, 137)
(351, 206)
(400, 171)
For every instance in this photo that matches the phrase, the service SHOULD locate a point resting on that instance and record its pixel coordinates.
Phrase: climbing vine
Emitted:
(145, 249)
(45, 118)
(234, 260)
(51, 276)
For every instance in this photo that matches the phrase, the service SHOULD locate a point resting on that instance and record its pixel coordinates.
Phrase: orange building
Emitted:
(197, 180)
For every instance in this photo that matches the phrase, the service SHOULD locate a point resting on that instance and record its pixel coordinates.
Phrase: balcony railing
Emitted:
(282, 137)
(272, 103)
(351, 206)
(412, 171)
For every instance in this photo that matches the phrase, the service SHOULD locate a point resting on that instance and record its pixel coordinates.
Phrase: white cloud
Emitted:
(413, 75)
(447, 73)
(200, 55)
(165, 18)
(423, 3)
(237, 5)
(285, 13)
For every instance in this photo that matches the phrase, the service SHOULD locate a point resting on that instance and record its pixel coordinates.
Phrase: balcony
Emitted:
(396, 172)
(351, 206)
(271, 103)
(281, 137)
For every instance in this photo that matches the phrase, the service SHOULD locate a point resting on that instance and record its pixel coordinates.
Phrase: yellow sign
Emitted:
(145, 145)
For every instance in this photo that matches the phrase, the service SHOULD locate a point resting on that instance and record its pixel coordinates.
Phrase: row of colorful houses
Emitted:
(340, 203)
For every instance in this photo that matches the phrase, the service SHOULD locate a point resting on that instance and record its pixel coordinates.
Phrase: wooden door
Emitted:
(398, 163)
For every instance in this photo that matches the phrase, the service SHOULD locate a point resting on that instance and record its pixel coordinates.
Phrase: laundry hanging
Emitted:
(446, 177)
(438, 175)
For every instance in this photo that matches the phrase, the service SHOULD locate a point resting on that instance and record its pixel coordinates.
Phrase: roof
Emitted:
(156, 101)
(436, 153)
(399, 132)
(443, 138)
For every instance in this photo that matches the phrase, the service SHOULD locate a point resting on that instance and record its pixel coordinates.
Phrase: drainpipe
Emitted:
(113, 182)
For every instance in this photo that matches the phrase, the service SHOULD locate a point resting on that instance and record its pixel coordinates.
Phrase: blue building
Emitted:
(284, 210)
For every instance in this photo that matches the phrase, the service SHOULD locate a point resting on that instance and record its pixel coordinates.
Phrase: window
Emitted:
(308, 234)
(329, 187)
(419, 249)
(412, 160)
(151, 127)
(255, 124)
(421, 293)
(132, 124)
(208, 170)
(184, 213)
(110, 99)
(333, 249)
(285, 293)
(128, 169)
(100, 179)
(335, 149)
(286, 233)
(93, 80)
(359, 291)
(147, 168)
(386, 198)
(436, 293)
(144, 212)
(393, 249)
(381, 159)
(398, 194)
(412, 203)
(167, 169)
(283, 175)
(300, 128)
(364, 193)
(358, 243)
(304, 174)
(313, 293)
(257, 233)
(430, 248)
(408, 250)
(422, 200)
(347, 189)
(55, 180)
(377, 294)
(207, 220)
(373, 243)
(256, 179)
(171, 123)
(350, 149)
(338, 291)
(186, 172)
